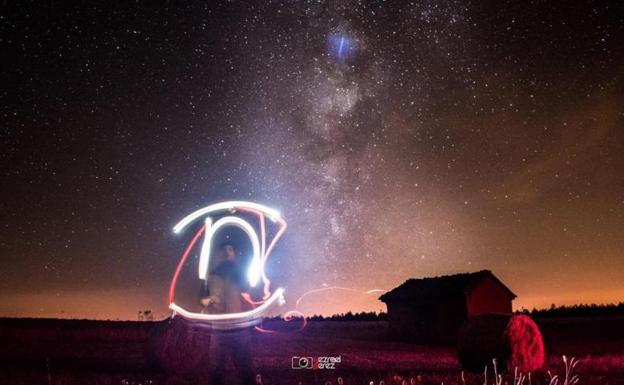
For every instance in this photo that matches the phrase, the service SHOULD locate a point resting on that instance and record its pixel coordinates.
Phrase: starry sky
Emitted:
(398, 139)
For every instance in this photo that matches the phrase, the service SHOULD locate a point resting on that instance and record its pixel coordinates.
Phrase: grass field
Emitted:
(105, 352)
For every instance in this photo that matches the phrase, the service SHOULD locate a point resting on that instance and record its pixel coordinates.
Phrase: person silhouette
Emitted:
(225, 283)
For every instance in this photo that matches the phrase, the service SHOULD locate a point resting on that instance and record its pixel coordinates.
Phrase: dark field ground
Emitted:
(105, 352)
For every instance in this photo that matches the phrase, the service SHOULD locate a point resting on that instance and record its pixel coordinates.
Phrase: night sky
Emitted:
(397, 139)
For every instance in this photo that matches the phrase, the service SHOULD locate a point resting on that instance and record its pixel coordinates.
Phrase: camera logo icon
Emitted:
(302, 362)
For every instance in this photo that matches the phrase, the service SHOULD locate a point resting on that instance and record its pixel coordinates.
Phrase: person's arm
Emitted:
(214, 301)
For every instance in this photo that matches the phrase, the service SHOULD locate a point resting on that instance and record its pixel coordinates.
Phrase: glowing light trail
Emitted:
(292, 314)
(255, 272)
(234, 320)
(231, 205)
(342, 39)
(322, 289)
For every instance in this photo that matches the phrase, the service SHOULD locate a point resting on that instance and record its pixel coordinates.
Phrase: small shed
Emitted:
(430, 310)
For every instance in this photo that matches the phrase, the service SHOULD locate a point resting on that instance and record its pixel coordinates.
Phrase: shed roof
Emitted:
(440, 287)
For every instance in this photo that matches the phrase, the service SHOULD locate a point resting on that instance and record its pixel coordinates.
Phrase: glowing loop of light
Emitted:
(255, 270)
(233, 320)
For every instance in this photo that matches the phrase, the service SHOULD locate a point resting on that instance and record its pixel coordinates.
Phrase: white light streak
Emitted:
(233, 320)
(273, 215)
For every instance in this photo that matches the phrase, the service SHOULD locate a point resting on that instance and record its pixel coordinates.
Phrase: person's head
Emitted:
(227, 251)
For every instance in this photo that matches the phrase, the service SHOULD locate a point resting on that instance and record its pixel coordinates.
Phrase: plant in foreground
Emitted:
(570, 378)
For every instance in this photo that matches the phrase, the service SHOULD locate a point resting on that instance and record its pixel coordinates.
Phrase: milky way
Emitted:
(398, 141)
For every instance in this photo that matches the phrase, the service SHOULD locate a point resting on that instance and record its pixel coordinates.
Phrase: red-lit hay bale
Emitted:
(179, 346)
(515, 341)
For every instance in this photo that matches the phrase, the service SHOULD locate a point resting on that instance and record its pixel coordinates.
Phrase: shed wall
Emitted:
(488, 297)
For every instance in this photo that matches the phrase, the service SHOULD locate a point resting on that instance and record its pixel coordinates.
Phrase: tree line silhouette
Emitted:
(348, 316)
(580, 310)
(554, 311)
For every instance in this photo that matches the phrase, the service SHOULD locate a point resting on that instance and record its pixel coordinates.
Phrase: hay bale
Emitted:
(178, 346)
(514, 341)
